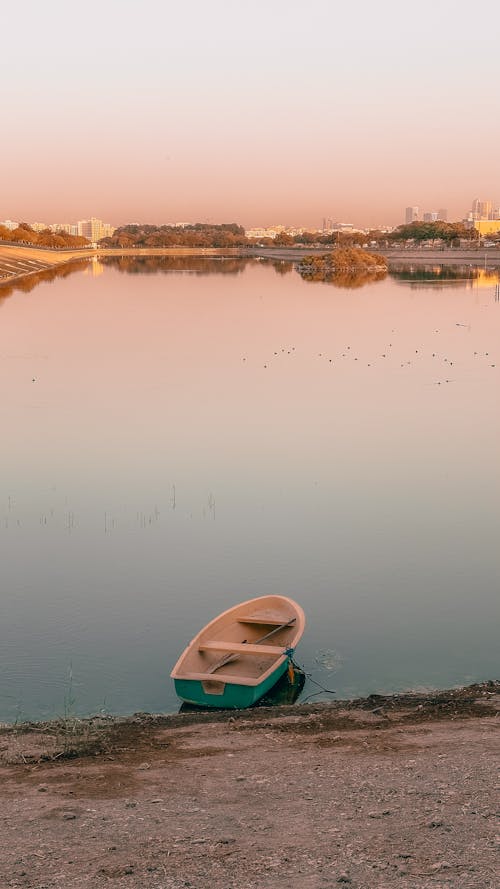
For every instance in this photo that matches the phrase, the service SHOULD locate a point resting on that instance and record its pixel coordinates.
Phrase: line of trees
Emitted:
(283, 239)
(24, 234)
(224, 235)
(233, 235)
(449, 232)
(197, 235)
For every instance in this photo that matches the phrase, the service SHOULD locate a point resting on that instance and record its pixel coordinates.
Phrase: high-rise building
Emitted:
(482, 209)
(431, 216)
(411, 215)
(94, 229)
(443, 214)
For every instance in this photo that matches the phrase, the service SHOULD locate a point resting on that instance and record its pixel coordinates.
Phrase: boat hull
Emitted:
(240, 655)
(226, 695)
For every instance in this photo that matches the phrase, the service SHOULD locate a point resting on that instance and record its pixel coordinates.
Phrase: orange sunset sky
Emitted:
(258, 112)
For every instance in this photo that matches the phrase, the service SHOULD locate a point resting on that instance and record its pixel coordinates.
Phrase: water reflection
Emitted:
(29, 282)
(459, 276)
(347, 279)
(175, 444)
(415, 276)
(281, 266)
(141, 265)
(193, 265)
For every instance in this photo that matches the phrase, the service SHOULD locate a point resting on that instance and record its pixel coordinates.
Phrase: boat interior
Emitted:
(243, 644)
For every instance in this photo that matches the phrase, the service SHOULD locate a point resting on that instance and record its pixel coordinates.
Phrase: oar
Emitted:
(276, 630)
(229, 658)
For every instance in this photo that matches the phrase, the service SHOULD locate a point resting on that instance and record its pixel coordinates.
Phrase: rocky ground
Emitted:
(371, 794)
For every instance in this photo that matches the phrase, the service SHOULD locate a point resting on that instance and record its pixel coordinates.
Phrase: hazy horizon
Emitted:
(259, 115)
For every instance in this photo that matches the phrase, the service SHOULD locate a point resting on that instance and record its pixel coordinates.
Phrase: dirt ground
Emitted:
(372, 794)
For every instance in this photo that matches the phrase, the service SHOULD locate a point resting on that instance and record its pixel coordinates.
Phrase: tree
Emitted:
(46, 238)
(24, 234)
(433, 231)
(198, 235)
(284, 240)
(306, 238)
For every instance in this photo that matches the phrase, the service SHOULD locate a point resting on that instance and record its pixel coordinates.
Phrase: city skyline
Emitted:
(95, 228)
(256, 114)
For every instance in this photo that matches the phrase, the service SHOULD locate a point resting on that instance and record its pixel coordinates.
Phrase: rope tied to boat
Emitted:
(291, 675)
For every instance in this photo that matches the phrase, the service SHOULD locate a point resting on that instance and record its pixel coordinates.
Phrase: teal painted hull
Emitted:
(233, 697)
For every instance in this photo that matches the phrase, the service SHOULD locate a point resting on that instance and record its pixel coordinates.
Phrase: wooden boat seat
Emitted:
(263, 619)
(241, 647)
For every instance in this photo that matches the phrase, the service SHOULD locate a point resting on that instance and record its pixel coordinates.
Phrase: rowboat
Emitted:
(241, 654)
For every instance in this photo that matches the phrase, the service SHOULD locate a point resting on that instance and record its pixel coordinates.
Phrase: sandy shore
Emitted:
(372, 794)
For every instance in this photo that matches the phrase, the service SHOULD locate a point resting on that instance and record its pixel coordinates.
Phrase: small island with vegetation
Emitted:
(345, 267)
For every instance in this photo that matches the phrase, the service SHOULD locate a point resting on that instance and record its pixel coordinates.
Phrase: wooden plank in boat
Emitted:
(241, 648)
(264, 619)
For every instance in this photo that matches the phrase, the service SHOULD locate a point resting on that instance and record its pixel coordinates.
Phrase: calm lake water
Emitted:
(180, 435)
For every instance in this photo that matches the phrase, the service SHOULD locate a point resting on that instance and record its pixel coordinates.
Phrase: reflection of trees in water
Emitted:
(29, 282)
(281, 266)
(145, 265)
(194, 265)
(347, 278)
(444, 275)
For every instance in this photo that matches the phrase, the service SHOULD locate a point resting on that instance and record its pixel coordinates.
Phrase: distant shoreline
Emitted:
(450, 256)
(18, 262)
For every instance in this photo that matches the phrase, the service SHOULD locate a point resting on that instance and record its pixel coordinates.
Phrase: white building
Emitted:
(94, 229)
(70, 228)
